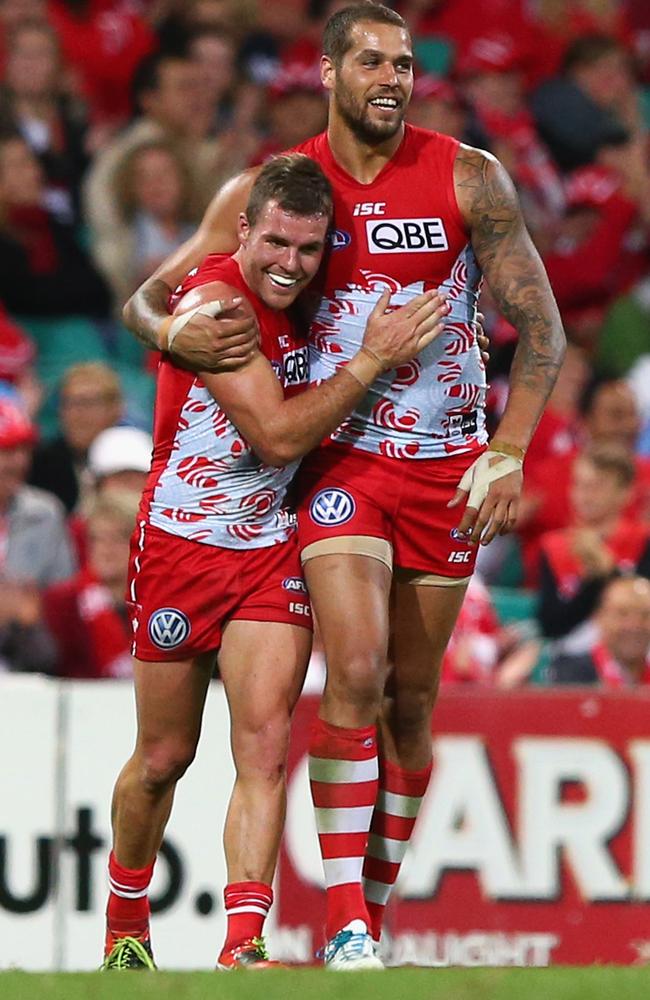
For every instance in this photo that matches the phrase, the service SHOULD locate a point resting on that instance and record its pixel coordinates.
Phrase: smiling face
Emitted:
(280, 253)
(371, 86)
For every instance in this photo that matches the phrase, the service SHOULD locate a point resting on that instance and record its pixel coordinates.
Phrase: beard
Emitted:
(357, 117)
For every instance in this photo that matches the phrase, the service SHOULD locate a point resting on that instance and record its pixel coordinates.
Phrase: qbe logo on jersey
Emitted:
(406, 236)
(332, 507)
(168, 628)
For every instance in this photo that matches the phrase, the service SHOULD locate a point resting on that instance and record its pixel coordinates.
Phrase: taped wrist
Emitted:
(178, 322)
(477, 479)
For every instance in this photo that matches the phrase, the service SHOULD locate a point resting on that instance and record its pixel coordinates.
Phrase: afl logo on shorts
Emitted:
(168, 628)
(332, 507)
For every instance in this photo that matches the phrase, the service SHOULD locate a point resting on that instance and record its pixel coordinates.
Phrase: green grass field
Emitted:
(604, 983)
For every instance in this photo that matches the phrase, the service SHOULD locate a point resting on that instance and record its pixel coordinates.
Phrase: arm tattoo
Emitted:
(512, 268)
(146, 310)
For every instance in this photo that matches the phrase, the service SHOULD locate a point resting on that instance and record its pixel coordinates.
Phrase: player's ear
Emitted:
(327, 72)
(243, 228)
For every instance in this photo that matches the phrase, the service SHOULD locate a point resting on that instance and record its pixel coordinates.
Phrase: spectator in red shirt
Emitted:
(105, 41)
(609, 416)
(578, 561)
(492, 79)
(87, 616)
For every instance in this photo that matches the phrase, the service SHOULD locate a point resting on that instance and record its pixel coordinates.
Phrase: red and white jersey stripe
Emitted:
(403, 232)
(206, 484)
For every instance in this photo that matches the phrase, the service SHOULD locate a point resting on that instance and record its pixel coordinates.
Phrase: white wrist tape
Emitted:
(207, 309)
(476, 481)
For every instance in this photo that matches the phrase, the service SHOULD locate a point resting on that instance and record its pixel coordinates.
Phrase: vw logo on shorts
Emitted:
(331, 507)
(168, 628)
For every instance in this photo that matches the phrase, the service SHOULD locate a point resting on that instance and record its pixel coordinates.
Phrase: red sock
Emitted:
(398, 802)
(343, 779)
(247, 904)
(127, 913)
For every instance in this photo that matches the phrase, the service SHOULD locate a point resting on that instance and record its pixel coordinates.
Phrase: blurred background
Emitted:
(118, 121)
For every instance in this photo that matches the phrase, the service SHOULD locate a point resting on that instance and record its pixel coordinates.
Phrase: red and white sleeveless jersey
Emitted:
(403, 232)
(206, 484)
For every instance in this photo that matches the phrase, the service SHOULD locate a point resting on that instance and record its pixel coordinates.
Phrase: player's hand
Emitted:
(222, 344)
(492, 503)
(397, 335)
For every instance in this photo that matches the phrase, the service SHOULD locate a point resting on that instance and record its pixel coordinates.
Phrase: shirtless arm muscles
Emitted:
(518, 281)
(205, 343)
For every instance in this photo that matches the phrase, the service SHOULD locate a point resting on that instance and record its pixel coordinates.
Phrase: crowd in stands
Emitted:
(118, 121)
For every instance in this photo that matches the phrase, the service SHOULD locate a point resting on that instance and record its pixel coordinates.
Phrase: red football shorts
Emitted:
(181, 594)
(345, 491)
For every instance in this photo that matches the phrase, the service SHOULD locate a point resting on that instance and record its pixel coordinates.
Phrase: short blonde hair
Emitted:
(106, 379)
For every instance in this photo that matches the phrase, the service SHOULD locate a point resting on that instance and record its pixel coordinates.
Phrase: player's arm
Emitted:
(205, 343)
(514, 271)
(281, 430)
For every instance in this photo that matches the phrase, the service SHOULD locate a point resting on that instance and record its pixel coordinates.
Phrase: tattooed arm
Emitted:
(517, 279)
(205, 344)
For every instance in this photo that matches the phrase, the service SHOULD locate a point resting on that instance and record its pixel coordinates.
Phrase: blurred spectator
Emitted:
(576, 562)
(558, 432)
(35, 548)
(602, 226)
(560, 22)
(621, 654)
(609, 416)
(34, 102)
(17, 356)
(154, 198)
(473, 651)
(104, 41)
(587, 107)
(173, 106)
(87, 616)
(43, 270)
(214, 51)
(90, 400)
(14, 13)
(296, 111)
(491, 71)
(118, 459)
(437, 104)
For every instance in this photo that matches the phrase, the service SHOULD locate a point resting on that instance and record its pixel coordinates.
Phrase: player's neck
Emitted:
(361, 160)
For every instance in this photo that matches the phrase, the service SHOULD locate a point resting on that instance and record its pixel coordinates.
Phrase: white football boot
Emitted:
(352, 949)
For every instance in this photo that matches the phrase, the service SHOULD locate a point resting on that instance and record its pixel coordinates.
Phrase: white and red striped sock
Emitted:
(343, 777)
(127, 913)
(247, 906)
(398, 803)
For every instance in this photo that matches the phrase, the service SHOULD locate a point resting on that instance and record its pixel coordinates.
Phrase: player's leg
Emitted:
(262, 665)
(350, 595)
(422, 618)
(169, 704)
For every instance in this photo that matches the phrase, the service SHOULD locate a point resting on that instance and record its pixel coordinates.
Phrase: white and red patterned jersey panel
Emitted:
(403, 232)
(206, 484)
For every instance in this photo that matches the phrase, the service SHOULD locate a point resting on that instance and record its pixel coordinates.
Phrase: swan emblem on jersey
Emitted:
(331, 507)
(168, 628)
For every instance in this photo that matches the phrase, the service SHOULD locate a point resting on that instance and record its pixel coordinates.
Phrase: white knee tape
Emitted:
(476, 481)
(207, 309)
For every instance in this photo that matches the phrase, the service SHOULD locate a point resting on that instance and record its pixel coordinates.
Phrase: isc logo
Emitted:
(299, 608)
(370, 208)
(296, 366)
(459, 557)
(407, 236)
